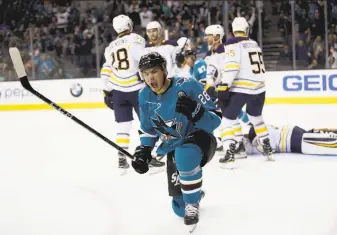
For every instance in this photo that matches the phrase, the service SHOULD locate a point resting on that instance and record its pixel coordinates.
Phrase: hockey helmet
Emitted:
(122, 23)
(150, 60)
(190, 52)
(240, 24)
(214, 30)
(154, 25)
(184, 43)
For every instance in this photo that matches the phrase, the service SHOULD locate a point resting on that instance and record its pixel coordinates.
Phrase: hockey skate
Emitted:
(219, 147)
(123, 164)
(156, 166)
(191, 217)
(228, 160)
(267, 150)
(240, 151)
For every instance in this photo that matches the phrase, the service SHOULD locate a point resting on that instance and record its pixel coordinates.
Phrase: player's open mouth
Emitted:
(153, 84)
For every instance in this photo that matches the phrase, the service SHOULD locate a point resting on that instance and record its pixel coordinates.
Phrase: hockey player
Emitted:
(242, 83)
(180, 113)
(167, 48)
(188, 64)
(294, 139)
(214, 60)
(121, 81)
(214, 57)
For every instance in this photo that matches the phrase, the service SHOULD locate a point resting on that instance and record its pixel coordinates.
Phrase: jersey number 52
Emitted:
(121, 57)
(256, 60)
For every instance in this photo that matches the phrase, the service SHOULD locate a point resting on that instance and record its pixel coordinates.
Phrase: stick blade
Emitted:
(17, 61)
(19, 67)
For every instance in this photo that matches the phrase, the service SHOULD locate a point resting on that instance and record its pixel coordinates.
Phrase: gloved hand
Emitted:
(190, 108)
(109, 99)
(223, 94)
(180, 59)
(142, 157)
(211, 91)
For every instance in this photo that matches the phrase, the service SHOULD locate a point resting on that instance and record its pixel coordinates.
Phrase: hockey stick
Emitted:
(20, 71)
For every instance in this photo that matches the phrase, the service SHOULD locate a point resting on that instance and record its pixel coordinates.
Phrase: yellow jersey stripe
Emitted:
(283, 139)
(122, 140)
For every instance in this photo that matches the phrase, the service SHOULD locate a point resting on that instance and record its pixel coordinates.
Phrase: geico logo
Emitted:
(310, 83)
(14, 93)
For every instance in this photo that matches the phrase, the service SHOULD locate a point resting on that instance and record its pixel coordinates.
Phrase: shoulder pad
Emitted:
(200, 61)
(170, 42)
(138, 39)
(235, 40)
(208, 53)
(220, 49)
(149, 44)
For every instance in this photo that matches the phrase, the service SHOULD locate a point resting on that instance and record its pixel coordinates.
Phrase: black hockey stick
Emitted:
(20, 71)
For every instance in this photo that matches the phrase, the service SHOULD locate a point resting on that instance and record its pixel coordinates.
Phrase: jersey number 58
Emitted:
(122, 59)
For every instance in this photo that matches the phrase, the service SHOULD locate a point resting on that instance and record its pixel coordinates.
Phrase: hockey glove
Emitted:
(180, 59)
(109, 99)
(142, 157)
(190, 108)
(211, 91)
(223, 94)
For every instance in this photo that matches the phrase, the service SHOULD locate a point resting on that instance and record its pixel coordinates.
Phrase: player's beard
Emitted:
(154, 39)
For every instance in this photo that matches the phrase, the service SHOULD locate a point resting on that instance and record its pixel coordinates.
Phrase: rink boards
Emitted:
(285, 87)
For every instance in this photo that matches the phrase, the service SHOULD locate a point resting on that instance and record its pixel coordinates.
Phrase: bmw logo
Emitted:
(76, 90)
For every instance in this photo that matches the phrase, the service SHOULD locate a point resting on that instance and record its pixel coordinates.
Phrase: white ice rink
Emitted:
(56, 178)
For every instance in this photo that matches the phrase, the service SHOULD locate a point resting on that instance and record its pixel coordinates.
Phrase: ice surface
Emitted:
(57, 178)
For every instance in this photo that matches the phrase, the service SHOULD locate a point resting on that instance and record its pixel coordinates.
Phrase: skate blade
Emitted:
(228, 165)
(240, 156)
(123, 171)
(191, 228)
(270, 158)
(156, 170)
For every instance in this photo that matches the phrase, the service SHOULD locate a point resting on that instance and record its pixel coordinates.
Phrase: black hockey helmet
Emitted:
(189, 52)
(150, 60)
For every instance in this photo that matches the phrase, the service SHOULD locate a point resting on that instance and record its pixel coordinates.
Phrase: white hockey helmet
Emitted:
(240, 24)
(184, 41)
(153, 25)
(122, 23)
(214, 30)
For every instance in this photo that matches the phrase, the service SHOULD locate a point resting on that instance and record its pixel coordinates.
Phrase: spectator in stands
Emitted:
(333, 58)
(45, 67)
(84, 51)
(145, 17)
(317, 25)
(284, 26)
(133, 12)
(285, 54)
(301, 54)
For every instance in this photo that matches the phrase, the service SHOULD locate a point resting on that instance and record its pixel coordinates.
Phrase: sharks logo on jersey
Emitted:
(169, 129)
(181, 81)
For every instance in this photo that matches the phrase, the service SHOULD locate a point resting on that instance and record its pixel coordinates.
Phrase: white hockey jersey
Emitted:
(244, 69)
(184, 71)
(214, 60)
(280, 140)
(120, 70)
(168, 49)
